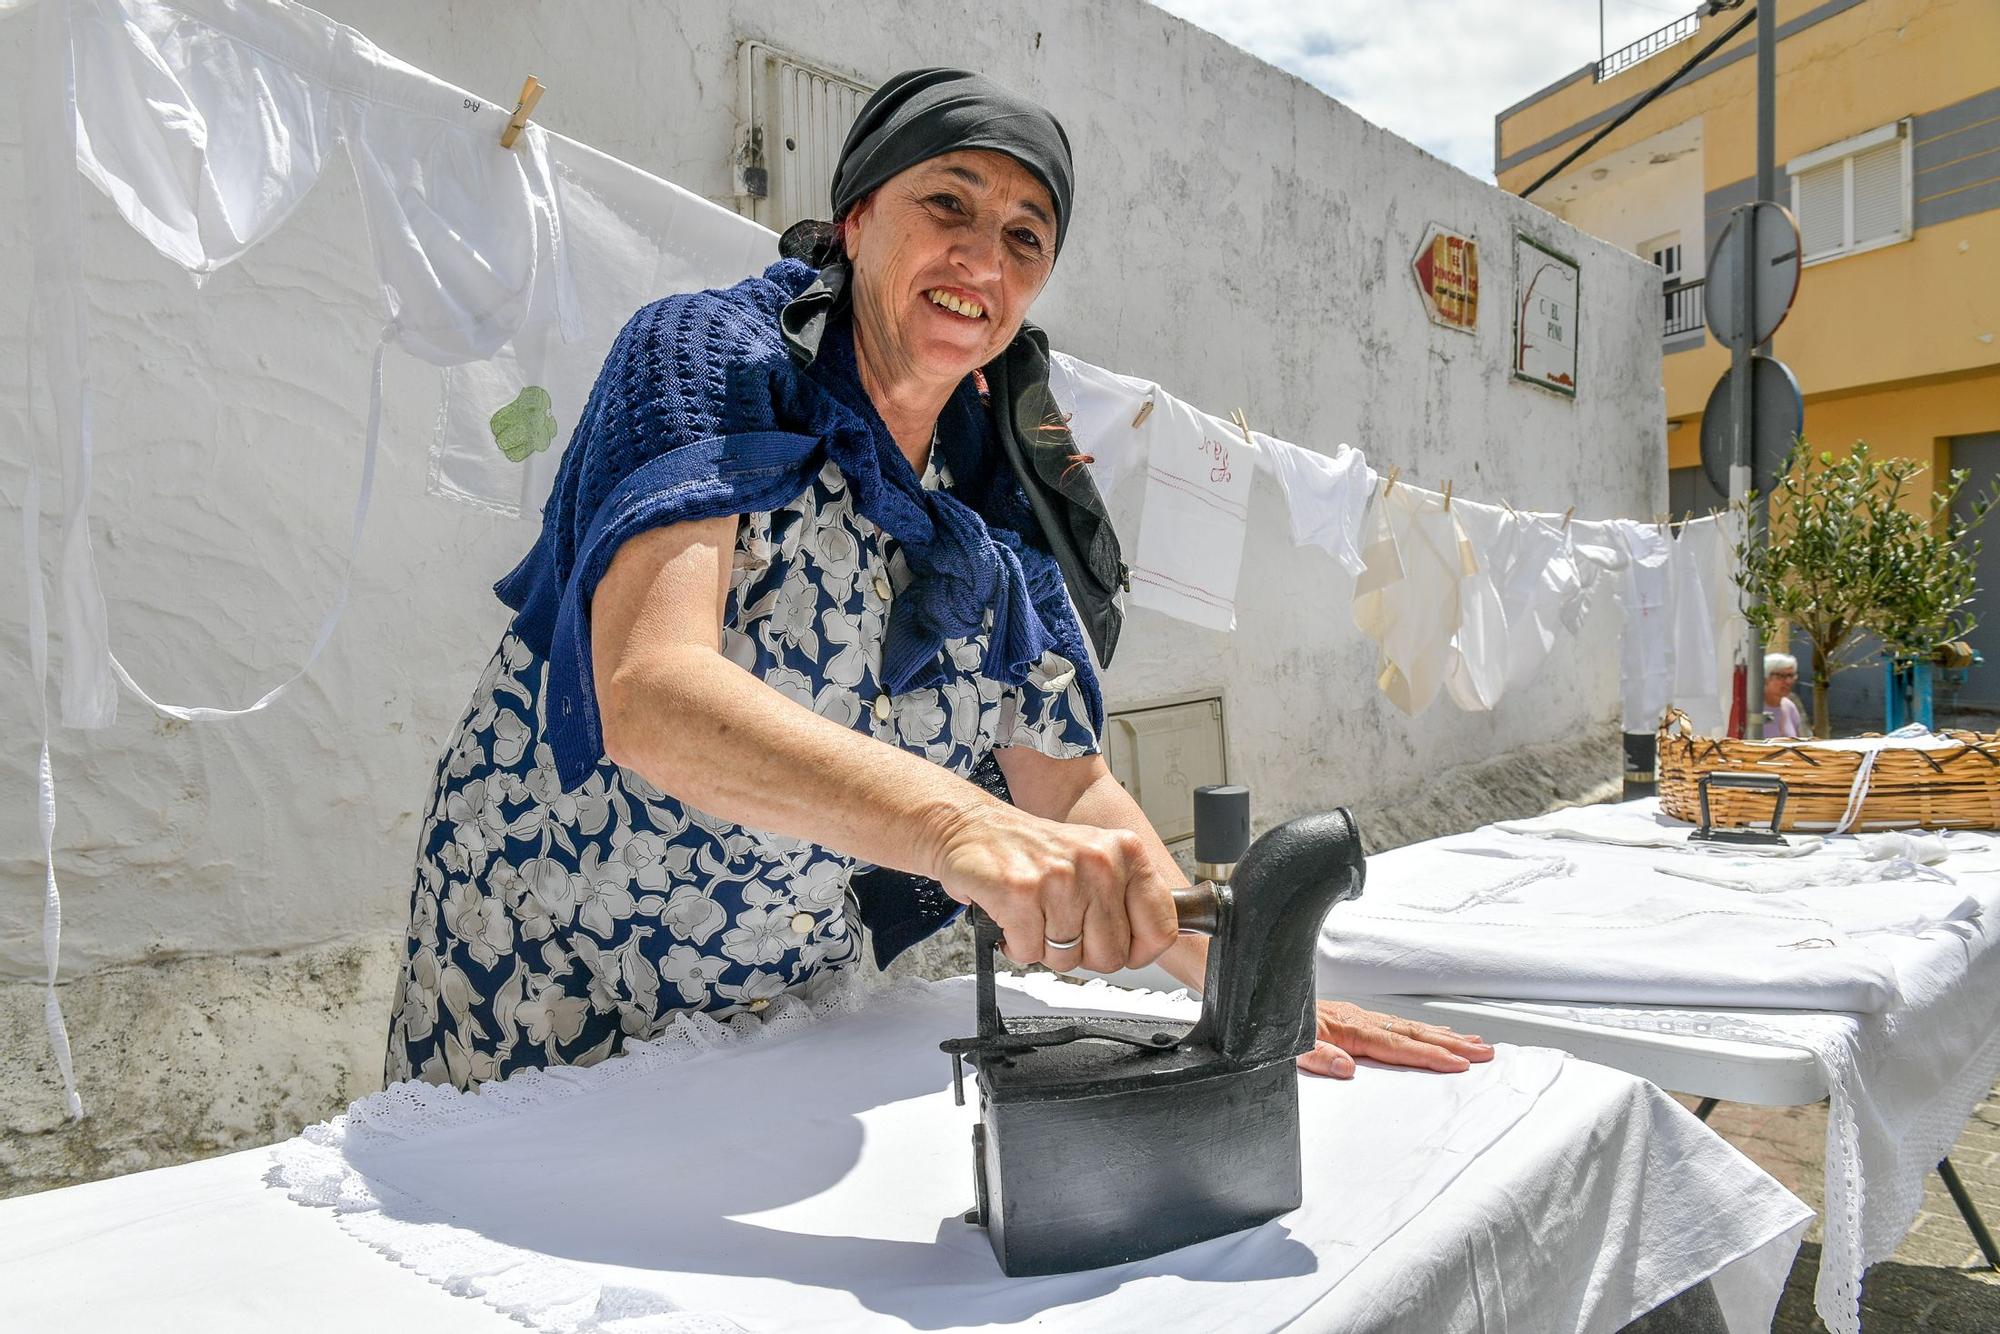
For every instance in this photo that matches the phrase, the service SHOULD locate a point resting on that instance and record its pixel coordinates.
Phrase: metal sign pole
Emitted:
(1742, 408)
(1744, 402)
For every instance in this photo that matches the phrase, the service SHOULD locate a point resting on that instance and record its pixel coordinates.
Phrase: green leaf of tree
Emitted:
(1846, 553)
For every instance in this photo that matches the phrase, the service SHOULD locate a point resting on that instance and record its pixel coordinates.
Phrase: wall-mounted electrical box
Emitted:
(1161, 752)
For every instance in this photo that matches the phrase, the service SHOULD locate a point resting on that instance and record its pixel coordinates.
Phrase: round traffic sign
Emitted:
(1778, 415)
(1774, 273)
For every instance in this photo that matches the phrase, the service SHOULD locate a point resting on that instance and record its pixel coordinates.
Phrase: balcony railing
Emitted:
(1648, 46)
(1685, 312)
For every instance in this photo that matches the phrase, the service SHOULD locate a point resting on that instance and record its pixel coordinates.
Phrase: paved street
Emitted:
(1936, 1282)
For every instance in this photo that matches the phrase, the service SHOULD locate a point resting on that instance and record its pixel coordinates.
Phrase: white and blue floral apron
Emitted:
(547, 927)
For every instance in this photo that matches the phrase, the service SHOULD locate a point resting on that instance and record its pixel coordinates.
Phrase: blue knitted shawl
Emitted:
(700, 411)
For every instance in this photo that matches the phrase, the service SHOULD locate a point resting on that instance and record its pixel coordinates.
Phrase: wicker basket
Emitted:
(1954, 786)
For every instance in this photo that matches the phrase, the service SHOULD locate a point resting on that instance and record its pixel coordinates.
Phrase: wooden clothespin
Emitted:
(1145, 411)
(1243, 425)
(531, 93)
(1447, 495)
(1395, 471)
(1568, 514)
(1508, 505)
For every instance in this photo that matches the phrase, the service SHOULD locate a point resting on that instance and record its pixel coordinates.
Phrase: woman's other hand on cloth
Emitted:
(1049, 881)
(1347, 1031)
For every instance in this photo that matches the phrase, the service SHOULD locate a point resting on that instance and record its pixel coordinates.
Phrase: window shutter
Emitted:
(1880, 199)
(1822, 209)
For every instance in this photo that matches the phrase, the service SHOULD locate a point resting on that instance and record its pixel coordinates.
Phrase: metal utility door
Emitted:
(1980, 456)
(792, 120)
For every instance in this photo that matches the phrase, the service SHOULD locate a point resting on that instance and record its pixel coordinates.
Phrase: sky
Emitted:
(1433, 71)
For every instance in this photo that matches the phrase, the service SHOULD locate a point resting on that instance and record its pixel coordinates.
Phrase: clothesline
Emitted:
(512, 270)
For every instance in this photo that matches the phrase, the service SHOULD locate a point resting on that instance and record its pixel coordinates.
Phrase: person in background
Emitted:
(1781, 712)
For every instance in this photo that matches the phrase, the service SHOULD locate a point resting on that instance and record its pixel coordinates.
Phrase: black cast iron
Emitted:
(1103, 1140)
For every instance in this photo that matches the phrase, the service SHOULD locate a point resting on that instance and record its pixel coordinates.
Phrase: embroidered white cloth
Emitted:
(730, 1178)
(1195, 515)
(1627, 926)
(1635, 824)
(1903, 1073)
(1901, 1083)
(752, 1207)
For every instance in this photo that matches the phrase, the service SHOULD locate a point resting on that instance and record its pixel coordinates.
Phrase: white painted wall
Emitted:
(1653, 188)
(1239, 237)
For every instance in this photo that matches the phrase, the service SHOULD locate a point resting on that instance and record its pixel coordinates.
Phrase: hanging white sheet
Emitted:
(205, 123)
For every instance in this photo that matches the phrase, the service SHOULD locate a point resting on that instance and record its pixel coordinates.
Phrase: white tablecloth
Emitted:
(814, 1173)
(1903, 1071)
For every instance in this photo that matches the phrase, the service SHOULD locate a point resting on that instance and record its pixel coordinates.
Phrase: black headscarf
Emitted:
(916, 116)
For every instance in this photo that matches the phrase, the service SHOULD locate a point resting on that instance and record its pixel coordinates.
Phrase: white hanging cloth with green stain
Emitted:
(206, 123)
(627, 238)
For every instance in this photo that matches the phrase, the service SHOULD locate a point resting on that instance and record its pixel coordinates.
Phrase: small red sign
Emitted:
(1447, 269)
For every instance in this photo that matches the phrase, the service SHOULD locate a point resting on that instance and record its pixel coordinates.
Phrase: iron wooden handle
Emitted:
(1199, 909)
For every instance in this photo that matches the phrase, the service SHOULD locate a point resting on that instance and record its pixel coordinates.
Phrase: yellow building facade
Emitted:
(1888, 149)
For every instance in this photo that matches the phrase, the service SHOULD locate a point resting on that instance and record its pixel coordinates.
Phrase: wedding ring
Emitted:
(1062, 944)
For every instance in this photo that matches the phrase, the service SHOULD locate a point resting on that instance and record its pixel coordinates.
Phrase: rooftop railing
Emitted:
(1650, 45)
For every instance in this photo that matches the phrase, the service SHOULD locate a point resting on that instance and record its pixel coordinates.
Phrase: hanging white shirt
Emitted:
(1646, 649)
(1407, 596)
(1326, 495)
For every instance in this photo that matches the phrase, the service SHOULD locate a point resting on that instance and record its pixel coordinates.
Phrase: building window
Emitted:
(1666, 252)
(1853, 195)
(792, 118)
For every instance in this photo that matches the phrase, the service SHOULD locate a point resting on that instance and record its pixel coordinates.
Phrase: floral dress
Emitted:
(548, 927)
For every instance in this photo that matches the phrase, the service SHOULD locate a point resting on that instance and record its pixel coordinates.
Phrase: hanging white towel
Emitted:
(1693, 622)
(1646, 649)
(1407, 597)
(1706, 617)
(1326, 494)
(1195, 515)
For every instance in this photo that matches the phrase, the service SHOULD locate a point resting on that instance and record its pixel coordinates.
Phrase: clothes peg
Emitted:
(1145, 411)
(1395, 471)
(1447, 495)
(1568, 514)
(1243, 425)
(531, 93)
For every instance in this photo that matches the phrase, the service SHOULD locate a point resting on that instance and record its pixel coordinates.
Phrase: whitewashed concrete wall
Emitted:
(1654, 188)
(233, 892)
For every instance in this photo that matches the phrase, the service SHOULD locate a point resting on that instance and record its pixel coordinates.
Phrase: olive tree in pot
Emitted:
(1851, 549)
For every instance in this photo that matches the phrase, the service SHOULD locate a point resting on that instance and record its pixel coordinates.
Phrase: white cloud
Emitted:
(1433, 71)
